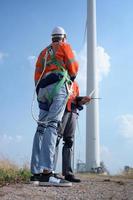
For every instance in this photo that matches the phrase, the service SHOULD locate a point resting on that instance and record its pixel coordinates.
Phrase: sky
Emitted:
(26, 27)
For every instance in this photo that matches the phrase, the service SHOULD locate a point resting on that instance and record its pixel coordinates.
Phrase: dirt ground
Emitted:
(91, 188)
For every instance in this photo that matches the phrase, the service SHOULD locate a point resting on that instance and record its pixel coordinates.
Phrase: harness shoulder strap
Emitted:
(62, 71)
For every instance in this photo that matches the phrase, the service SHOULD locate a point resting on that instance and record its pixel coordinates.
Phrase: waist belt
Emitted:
(58, 77)
(48, 80)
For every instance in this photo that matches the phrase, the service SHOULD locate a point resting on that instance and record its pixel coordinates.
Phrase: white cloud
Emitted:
(6, 139)
(103, 64)
(18, 138)
(3, 56)
(81, 77)
(32, 60)
(125, 125)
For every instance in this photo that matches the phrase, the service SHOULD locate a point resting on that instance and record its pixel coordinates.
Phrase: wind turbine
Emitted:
(92, 110)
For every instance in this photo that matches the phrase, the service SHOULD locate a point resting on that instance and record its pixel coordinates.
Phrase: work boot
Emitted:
(72, 178)
(56, 175)
(35, 178)
(51, 180)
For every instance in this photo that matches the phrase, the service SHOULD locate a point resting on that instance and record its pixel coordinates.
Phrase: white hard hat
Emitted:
(58, 32)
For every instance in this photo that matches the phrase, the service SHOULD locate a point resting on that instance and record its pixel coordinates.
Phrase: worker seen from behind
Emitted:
(67, 131)
(56, 68)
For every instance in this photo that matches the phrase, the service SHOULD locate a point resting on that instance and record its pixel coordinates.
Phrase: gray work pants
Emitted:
(67, 130)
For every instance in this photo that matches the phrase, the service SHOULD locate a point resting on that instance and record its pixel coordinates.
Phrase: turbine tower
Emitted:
(92, 110)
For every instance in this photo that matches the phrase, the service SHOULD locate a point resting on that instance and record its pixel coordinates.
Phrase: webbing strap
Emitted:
(57, 87)
(60, 83)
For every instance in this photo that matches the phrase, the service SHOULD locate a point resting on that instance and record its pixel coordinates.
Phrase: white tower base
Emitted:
(92, 112)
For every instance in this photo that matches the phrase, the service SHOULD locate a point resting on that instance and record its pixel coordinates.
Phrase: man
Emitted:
(56, 68)
(67, 131)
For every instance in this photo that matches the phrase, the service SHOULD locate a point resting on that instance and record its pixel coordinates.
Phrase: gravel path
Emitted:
(91, 188)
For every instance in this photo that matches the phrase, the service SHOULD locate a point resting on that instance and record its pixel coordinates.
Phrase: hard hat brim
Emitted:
(58, 35)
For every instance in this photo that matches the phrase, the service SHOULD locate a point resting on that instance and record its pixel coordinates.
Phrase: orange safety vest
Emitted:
(63, 54)
(72, 97)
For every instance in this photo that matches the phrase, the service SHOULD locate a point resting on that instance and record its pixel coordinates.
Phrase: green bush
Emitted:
(11, 173)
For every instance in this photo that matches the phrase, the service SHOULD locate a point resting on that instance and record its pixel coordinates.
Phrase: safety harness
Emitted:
(65, 79)
(63, 72)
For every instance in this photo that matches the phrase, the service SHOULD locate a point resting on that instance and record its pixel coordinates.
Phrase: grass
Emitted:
(11, 173)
